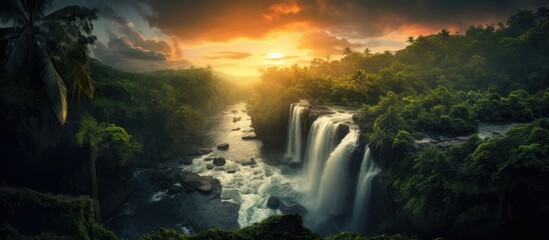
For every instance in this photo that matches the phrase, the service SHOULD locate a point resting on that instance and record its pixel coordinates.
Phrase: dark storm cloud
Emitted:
(117, 54)
(132, 44)
(220, 20)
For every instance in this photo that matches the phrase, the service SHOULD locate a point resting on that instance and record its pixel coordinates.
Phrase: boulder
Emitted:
(231, 171)
(203, 184)
(219, 161)
(210, 166)
(208, 159)
(249, 137)
(206, 184)
(235, 129)
(273, 202)
(186, 161)
(169, 176)
(292, 209)
(175, 189)
(223, 146)
(236, 119)
(246, 162)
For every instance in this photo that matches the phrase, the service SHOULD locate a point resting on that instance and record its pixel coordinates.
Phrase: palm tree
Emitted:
(445, 34)
(410, 40)
(367, 52)
(347, 51)
(52, 45)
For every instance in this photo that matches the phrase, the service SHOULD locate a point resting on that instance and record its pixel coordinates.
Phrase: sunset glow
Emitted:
(239, 40)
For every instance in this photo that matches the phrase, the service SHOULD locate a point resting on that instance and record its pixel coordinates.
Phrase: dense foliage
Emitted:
(38, 215)
(275, 227)
(444, 85)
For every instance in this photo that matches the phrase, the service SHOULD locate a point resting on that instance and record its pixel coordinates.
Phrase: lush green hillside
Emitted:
(443, 85)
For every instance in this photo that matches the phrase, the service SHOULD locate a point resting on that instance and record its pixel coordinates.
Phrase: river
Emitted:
(245, 188)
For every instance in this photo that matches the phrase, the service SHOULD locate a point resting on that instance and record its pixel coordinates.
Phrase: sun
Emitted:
(275, 55)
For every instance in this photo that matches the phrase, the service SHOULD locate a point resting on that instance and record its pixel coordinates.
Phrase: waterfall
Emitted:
(331, 199)
(368, 170)
(294, 151)
(321, 141)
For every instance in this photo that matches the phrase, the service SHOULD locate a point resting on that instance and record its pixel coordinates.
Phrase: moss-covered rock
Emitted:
(27, 214)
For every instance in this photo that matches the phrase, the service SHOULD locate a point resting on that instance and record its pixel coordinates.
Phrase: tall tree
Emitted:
(54, 46)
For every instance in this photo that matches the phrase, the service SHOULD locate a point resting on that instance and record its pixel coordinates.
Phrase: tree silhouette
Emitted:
(367, 52)
(52, 46)
(347, 51)
(410, 40)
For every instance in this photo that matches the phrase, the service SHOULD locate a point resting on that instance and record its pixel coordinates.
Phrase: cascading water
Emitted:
(331, 199)
(368, 170)
(294, 151)
(321, 142)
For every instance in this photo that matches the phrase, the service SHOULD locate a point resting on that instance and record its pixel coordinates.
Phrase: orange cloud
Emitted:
(284, 8)
(321, 44)
(227, 55)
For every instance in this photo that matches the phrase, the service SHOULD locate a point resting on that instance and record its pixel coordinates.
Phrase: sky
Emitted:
(239, 37)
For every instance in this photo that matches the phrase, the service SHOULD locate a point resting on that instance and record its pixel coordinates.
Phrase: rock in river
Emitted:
(249, 137)
(273, 202)
(219, 161)
(223, 146)
(175, 189)
(246, 162)
(202, 184)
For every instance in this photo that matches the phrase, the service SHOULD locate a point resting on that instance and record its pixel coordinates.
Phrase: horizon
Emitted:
(240, 39)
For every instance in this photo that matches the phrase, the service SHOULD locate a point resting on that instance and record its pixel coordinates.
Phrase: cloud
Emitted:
(321, 43)
(129, 50)
(220, 20)
(227, 55)
(136, 62)
(291, 57)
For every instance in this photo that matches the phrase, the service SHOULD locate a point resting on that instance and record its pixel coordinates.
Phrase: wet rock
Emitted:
(202, 184)
(210, 166)
(292, 209)
(170, 175)
(186, 161)
(236, 119)
(219, 161)
(231, 171)
(235, 129)
(273, 202)
(175, 189)
(342, 131)
(249, 137)
(246, 162)
(223, 146)
(208, 159)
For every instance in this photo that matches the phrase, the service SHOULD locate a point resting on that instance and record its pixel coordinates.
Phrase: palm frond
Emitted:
(83, 82)
(19, 52)
(39, 7)
(13, 11)
(8, 33)
(53, 84)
